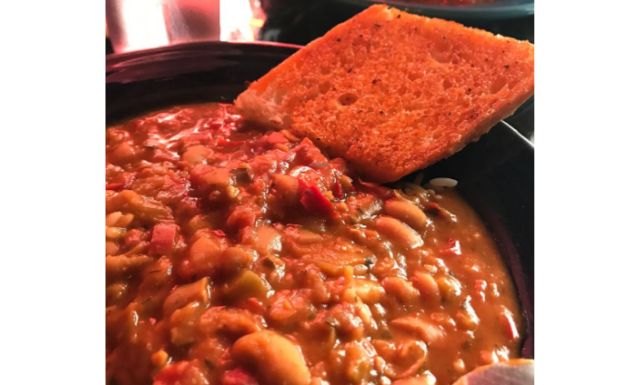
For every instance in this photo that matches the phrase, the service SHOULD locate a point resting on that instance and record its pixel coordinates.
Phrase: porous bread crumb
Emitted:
(394, 92)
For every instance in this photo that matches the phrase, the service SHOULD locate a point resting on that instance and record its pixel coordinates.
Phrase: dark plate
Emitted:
(495, 173)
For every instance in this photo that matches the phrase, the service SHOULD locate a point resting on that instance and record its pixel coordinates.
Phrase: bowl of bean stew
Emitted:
(236, 254)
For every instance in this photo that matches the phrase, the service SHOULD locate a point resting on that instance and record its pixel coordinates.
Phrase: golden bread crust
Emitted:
(394, 92)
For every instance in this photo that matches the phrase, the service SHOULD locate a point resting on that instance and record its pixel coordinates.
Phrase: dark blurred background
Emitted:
(299, 21)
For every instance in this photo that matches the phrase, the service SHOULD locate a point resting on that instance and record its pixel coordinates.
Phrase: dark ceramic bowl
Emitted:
(494, 10)
(495, 174)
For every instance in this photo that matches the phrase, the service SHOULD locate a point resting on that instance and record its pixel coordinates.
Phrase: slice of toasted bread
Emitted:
(394, 92)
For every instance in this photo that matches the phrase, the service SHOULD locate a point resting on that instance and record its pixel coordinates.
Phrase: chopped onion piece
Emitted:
(443, 182)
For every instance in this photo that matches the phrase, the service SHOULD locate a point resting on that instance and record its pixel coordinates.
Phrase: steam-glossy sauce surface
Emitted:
(240, 256)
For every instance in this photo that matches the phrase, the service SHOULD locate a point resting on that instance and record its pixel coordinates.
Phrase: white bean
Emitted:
(398, 232)
(406, 212)
(277, 359)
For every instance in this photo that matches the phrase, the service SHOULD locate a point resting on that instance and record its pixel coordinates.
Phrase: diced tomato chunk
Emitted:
(337, 190)
(115, 186)
(163, 238)
(125, 180)
(237, 377)
(314, 201)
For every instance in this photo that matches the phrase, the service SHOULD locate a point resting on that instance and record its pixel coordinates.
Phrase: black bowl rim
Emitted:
(477, 12)
(113, 59)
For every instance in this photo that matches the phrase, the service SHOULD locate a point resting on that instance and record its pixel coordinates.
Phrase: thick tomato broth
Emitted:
(237, 255)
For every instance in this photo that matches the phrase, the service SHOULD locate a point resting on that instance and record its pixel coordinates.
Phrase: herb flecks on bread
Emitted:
(394, 92)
